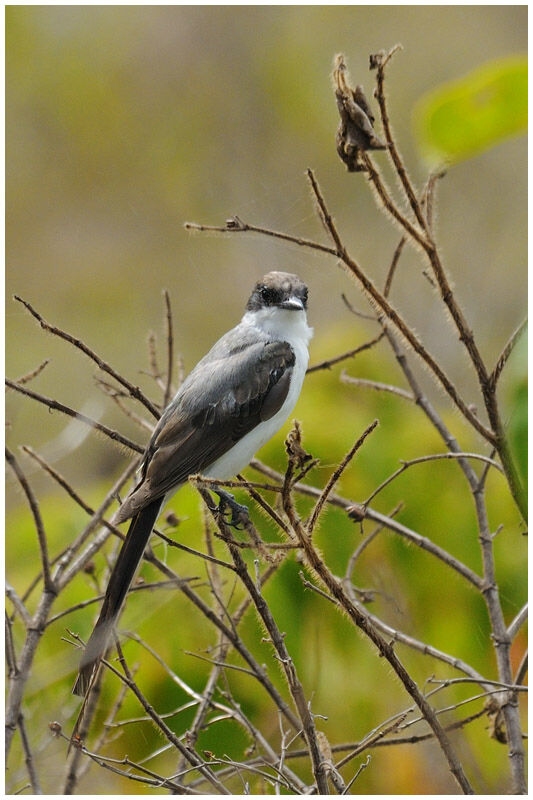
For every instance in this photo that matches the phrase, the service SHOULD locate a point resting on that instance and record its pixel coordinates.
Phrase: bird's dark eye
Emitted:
(268, 296)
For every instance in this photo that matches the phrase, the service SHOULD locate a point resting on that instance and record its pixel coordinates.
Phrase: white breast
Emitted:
(287, 326)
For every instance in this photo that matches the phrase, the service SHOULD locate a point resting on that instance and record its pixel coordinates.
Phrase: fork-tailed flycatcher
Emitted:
(235, 399)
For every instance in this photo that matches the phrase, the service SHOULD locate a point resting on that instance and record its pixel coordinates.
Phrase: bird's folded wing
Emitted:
(221, 401)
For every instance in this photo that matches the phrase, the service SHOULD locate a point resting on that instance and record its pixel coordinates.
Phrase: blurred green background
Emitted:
(123, 123)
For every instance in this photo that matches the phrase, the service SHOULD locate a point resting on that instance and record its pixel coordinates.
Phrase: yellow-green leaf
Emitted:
(462, 118)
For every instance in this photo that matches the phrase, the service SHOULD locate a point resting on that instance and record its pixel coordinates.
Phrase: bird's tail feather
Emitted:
(117, 588)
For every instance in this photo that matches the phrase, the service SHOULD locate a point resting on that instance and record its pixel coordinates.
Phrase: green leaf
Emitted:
(465, 117)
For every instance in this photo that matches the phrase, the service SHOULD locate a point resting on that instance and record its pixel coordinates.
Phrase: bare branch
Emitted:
(521, 672)
(278, 642)
(380, 62)
(116, 396)
(187, 752)
(20, 608)
(415, 644)
(383, 304)
(365, 542)
(379, 387)
(49, 584)
(103, 365)
(355, 510)
(30, 763)
(425, 459)
(361, 620)
(428, 197)
(10, 651)
(394, 264)
(335, 477)
(236, 225)
(56, 406)
(349, 354)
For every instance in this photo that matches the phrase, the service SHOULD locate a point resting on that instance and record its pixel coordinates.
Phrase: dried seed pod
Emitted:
(356, 128)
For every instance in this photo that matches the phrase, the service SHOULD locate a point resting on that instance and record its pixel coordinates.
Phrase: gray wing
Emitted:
(227, 394)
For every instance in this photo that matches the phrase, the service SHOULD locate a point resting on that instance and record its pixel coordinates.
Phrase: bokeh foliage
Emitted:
(460, 119)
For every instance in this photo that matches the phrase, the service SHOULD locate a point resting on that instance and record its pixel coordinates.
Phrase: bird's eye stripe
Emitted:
(268, 295)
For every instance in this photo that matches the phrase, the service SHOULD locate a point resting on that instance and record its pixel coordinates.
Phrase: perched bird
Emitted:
(235, 399)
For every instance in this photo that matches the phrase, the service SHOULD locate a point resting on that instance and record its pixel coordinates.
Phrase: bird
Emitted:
(233, 401)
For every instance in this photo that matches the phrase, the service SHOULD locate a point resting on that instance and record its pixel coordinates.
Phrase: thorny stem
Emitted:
(295, 687)
(354, 509)
(383, 304)
(315, 514)
(488, 587)
(334, 586)
(487, 383)
(507, 350)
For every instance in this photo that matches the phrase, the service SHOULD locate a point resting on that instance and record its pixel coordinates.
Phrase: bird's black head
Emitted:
(279, 290)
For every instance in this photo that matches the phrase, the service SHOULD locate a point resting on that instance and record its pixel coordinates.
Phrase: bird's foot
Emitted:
(239, 513)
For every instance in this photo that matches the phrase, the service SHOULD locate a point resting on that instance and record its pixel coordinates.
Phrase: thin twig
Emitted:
(30, 762)
(56, 406)
(75, 755)
(29, 376)
(409, 641)
(521, 672)
(49, 584)
(21, 609)
(187, 752)
(170, 349)
(376, 385)
(506, 352)
(392, 149)
(286, 661)
(334, 477)
(103, 365)
(361, 620)
(10, 651)
(328, 363)
(394, 264)
(365, 542)
(116, 396)
(424, 459)
(238, 226)
(517, 622)
(391, 524)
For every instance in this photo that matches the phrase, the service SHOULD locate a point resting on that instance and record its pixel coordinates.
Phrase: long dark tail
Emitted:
(120, 581)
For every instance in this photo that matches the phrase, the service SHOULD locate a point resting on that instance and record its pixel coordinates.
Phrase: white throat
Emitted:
(281, 324)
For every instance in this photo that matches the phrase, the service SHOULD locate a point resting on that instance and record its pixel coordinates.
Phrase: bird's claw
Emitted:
(238, 513)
